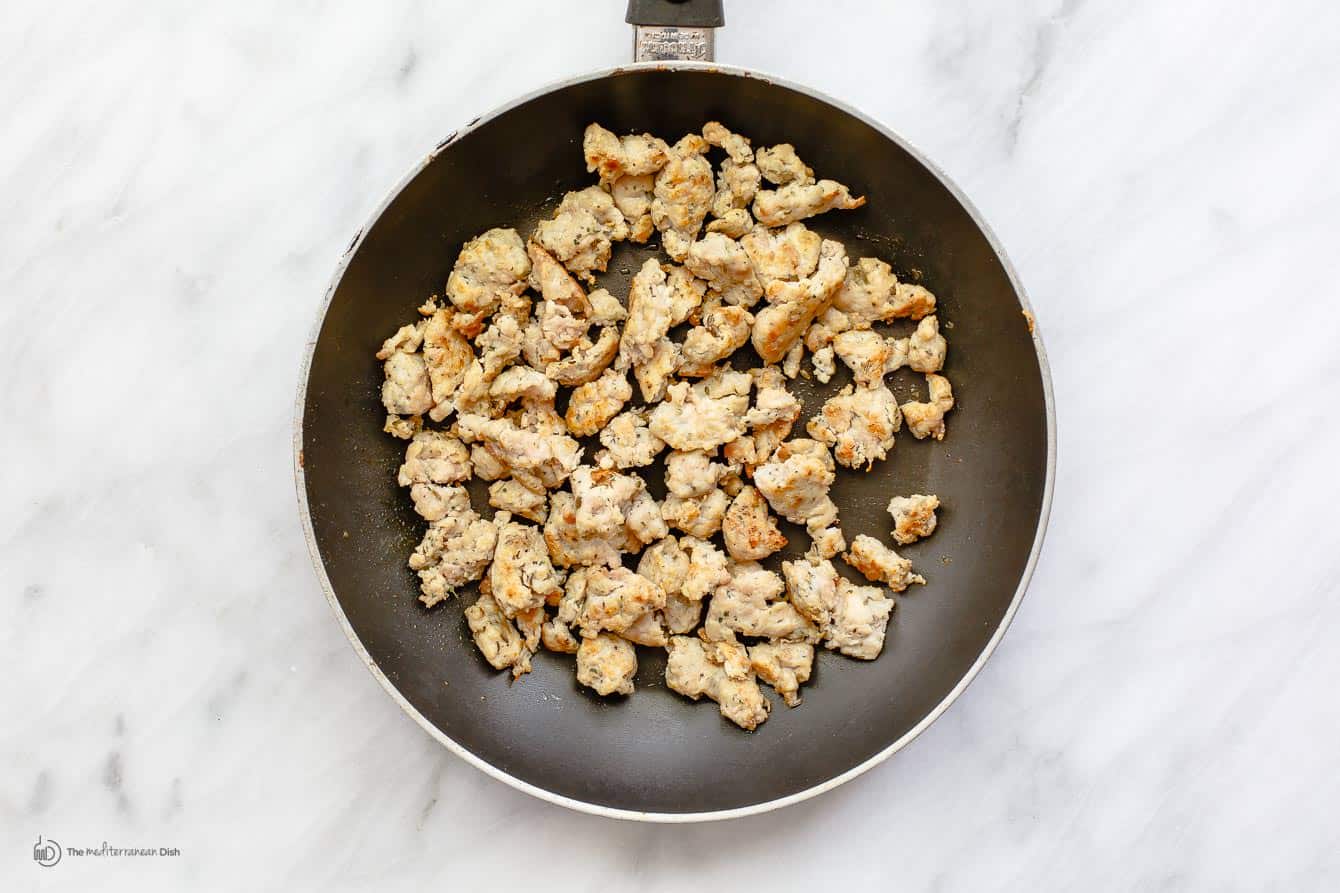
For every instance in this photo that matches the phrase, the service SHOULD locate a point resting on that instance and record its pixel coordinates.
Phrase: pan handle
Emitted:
(674, 29)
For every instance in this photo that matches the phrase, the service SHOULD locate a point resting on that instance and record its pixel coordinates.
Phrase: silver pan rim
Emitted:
(768, 805)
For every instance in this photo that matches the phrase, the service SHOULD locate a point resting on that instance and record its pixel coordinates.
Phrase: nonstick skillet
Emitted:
(655, 755)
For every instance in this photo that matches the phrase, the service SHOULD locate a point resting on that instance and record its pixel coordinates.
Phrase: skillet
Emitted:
(656, 756)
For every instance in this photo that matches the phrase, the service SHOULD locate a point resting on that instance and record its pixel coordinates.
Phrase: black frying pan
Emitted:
(655, 755)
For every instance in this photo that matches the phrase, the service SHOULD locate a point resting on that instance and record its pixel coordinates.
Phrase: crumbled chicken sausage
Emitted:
(496, 356)
(607, 664)
(880, 564)
(928, 419)
(913, 517)
(796, 201)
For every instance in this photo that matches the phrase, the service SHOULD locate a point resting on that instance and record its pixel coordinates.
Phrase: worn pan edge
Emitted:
(1044, 514)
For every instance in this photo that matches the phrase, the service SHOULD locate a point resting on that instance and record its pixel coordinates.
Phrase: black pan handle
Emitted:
(674, 29)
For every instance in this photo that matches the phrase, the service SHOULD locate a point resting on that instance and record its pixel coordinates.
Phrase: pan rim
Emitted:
(479, 762)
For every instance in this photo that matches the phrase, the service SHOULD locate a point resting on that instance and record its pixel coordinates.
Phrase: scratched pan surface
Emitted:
(654, 754)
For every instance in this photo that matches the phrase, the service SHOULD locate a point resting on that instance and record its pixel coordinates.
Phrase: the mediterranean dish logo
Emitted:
(47, 852)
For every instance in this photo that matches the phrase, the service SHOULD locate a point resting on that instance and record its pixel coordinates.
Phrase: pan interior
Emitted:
(655, 751)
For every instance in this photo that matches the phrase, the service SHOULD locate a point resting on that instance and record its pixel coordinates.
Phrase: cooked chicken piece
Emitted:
(522, 383)
(530, 624)
(913, 517)
(447, 354)
(539, 417)
(880, 564)
(649, 305)
(691, 671)
(734, 223)
(632, 196)
(683, 196)
(628, 441)
(687, 669)
(755, 448)
(587, 360)
(867, 294)
(751, 604)
(793, 305)
(499, 642)
(795, 482)
(812, 585)
(873, 294)
(912, 302)
(602, 497)
(784, 666)
(489, 266)
(926, 347)
(521, 577)
(593, 404)
(827, 325)
(708, 568)
(616, 598)
(407, 390)
(826, 543)
(470, 325)
(860, 618)
(535, 348)
(600, 205)
(869, 355)
(573, 599)
(824, 367)
(690, 473)
(407, 339)
(568, 548)
(749, 529)
(653, 376)
(557, 637)
(739, 696)
(607, 664)
(780, 165)
(724, 329)
(787, 254)
(737, 185)
(434, 457)
(791, 361)
(699, 516)
(579, 234)
(455, 550)
(736, 146)
(665, 564)
(649, 630)
(549, 277)
(859, 424)
(645, 521)
(686, 293)
(487, 466)
(928, 419)
(560, 327)
(513, 496)
(499, 345)
(694, 418)
(796, 201)
(681, 615)
(550, 457)
(402, 428)
(724, 265)
(772, 401)
(605, 308)
(613, 156)
(431, 501)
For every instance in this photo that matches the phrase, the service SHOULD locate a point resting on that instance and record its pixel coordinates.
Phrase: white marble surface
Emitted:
(178, 181)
